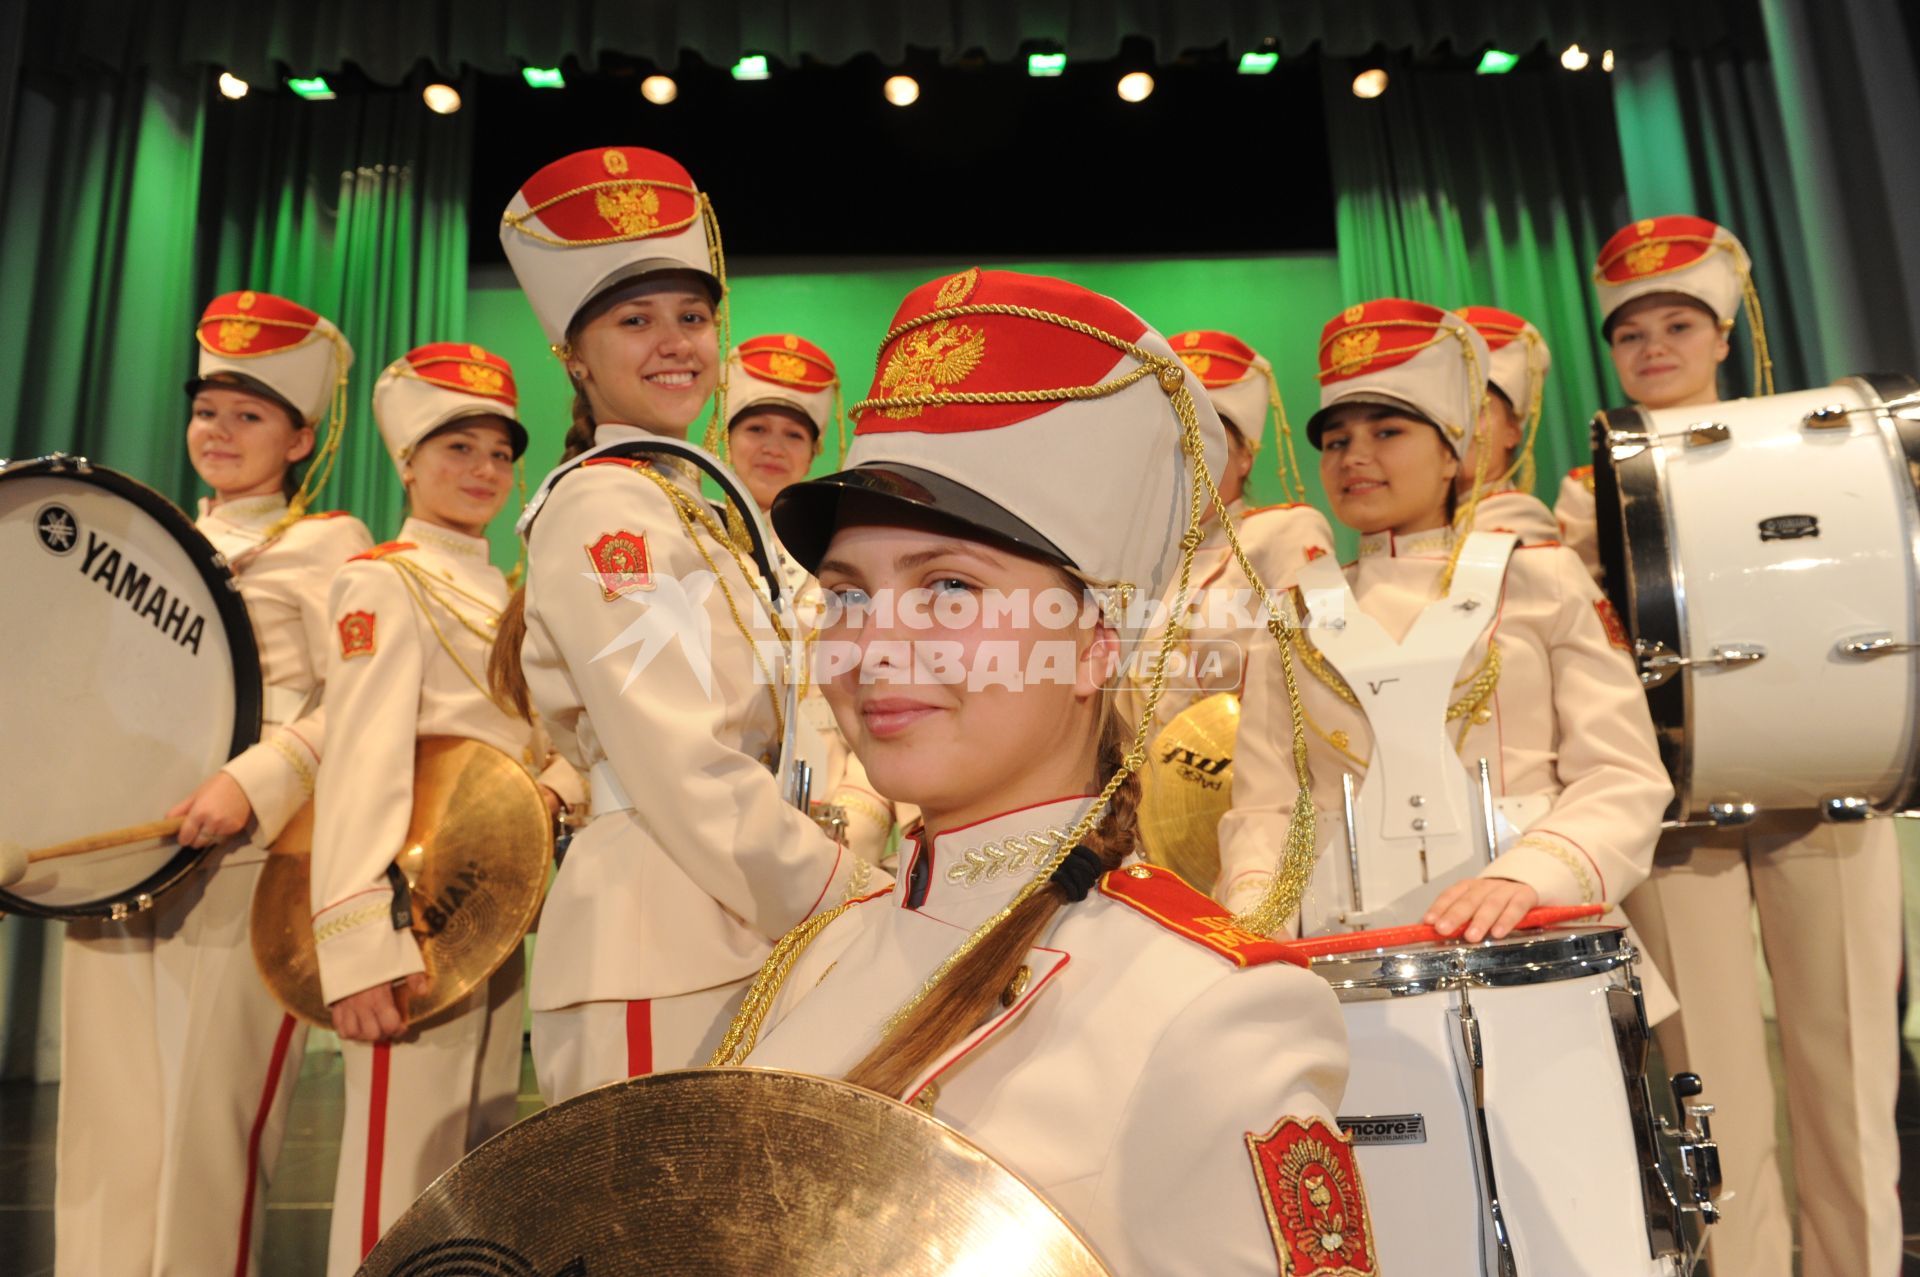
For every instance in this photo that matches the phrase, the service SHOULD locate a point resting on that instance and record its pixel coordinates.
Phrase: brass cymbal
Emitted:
(1188, 787)
(730, 1171)
(478, 852)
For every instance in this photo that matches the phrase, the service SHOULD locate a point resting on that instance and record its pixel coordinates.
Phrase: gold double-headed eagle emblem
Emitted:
(942, 353)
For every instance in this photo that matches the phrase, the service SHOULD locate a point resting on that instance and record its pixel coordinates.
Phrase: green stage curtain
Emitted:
(96, 271)
(262, 39)
(356, 208)
(1458, 189)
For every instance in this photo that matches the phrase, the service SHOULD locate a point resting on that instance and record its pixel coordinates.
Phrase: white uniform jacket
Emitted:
(1521, 513)
(1149, 1047)
(284, 582)
(638, 659)
(1567, 721)
(412, 623)
(1574, 510)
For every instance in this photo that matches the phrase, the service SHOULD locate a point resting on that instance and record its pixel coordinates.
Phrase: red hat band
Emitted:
(467, 368)
(1216, 358)
(610, 196)
(788, 360)
(247, 324)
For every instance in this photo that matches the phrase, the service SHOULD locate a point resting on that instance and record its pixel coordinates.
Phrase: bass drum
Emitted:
(131, 676)
(1765, 554)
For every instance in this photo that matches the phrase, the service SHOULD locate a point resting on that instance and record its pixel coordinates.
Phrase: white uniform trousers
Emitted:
(1829, 904)
(589, 1044)
(176, 1069)
(418, 1104)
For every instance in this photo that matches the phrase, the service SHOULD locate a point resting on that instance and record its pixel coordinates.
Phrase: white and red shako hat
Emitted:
(1680, 254)
(277, 345)
(1236, 376)
(782, 370)
(601, 217)
(442, 382)
(1034, 411)
(1520, 358)
(1405, 355)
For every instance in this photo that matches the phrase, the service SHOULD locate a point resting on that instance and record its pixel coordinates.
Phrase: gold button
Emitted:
(928, 1094)
(1139, 871)
(1016, 986)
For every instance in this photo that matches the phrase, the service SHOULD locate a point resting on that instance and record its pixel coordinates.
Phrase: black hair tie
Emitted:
(1078, 872)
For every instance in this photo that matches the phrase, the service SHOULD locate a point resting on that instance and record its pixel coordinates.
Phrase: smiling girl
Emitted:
(648, 645)
(1827, 896)
(1071, 1017)
(412, 625)
(1432, 653)
(177, 1063)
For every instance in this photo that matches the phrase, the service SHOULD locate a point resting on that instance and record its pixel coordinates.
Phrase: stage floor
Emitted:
(299, 1203)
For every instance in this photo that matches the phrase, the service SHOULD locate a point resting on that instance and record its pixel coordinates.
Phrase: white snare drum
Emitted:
(1766, 556)
(1499, 1107)
(130, 676)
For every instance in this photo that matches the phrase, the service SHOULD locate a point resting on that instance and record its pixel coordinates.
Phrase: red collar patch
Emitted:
(1165, 897)
(1610, 622)
(382, 550)
(1316, 1207)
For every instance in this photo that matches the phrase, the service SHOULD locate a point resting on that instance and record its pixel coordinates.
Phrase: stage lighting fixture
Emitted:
(1258, 63)
(1370, 83)
(441, 99)
(1606, 61)
(902, 90)
(232, 86)
(543, 77)
(659, 89)
(1044, 65)
(313, 89)
(1575, 58)
(1135, 86)
(751, 67)
(1497, 62)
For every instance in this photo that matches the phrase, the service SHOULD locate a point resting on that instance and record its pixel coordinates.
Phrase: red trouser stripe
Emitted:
(267, 1092)
(639, 1038)
(376, 1147)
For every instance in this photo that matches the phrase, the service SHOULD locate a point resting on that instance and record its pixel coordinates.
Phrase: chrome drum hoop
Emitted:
(1545, 957)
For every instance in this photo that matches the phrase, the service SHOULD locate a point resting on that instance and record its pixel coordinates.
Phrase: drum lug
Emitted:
(118, 911)
(1470, 1070)
(1846, 810)
(1658, 664)
(1731, 813)
(1867, 646)
(1708, 433)
(1833, 416)
(1699, 1153)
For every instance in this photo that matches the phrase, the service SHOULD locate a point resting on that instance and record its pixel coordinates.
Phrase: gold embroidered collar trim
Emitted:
(421, 532)
(249, 512)
(1435, 541)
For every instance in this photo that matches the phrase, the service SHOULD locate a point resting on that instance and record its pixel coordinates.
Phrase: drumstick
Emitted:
(14, 858)
(1422, 933)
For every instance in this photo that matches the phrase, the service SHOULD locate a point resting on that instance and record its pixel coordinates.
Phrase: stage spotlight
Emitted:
(1606, 61)
(752, 67)
(659, 89)
(1575, 58)
(441, 99)
(313, 89)
(1135, 86)
(902, 90)
(1258, 63)
(543, 77)
(1046, 65)
(1370, 83)
(232, 86)
(1497, 62)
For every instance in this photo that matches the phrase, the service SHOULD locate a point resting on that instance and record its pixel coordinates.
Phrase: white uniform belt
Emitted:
(281, 704)
(608, 793)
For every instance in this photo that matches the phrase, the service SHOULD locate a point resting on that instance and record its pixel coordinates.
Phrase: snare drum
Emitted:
(1499, 1109)
(131, 676)
(1766, 556)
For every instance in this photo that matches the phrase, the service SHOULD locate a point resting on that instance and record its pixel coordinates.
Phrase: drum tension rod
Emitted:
(1470, 1071)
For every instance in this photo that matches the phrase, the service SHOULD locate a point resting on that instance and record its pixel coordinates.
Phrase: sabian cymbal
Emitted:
(478, 851)
(730, 1171)
(1188, 787)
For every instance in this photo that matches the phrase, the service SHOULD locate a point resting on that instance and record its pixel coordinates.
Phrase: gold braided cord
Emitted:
(1762, 357)
(840, 424)
(1480, 684)
(420, 586)
(744, 1033)
(1465, 516)
(692, 512)
(1520, 471)
(321, 467)
(259, 320)
(1293, 480)
(518, 221)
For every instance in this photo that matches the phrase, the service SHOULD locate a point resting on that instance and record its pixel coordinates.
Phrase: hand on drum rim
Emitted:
(1480, 908)
(217, 809)
(378, 1014)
